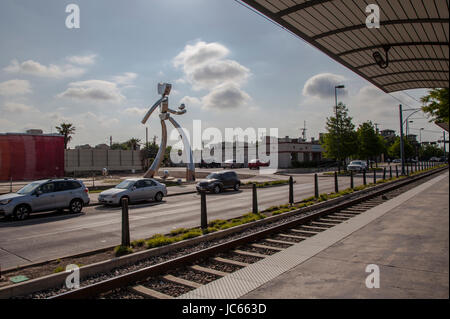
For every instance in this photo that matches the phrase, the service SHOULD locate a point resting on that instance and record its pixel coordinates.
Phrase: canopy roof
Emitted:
(416, 30)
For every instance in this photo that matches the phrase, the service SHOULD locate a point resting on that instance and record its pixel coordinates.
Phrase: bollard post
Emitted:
(415, 169)
(364, 178)
(203, 213)
(374, 176)
(336, 186)
(351, 180)
(255, 200)
(407, 169)
(316, 186)
(396, 171)
(390, 171)
(125, 223)
(384, 172)
(291, 190)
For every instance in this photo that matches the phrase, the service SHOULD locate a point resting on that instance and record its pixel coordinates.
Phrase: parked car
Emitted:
(232, 164)
(45, 195)
(358, 166)
(435, 159)
(397, 160)
(135, 190)
(256, 164)
(209, 164)
(217, 182)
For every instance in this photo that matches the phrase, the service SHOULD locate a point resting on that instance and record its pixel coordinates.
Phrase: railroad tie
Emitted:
(332, 221)
(267, 247)
(313, 228)
(322, 224)
(209, 270)
(307, 233)
(149, 293)
(293, 236)
(182, 281)
(277, 241)
(249, 253)
(231, 262)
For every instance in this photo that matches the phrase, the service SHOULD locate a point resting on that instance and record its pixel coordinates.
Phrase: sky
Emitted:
(230, 67)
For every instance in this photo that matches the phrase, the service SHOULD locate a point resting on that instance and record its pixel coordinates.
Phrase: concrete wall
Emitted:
(96, 159)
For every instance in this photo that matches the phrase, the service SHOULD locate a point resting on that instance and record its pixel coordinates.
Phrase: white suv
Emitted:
(45, 195)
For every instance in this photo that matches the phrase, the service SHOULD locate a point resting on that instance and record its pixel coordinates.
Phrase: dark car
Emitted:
(217, 182)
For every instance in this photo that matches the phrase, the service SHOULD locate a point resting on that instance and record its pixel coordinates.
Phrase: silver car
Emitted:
(358, 166)
(45, 195)
(135, 190)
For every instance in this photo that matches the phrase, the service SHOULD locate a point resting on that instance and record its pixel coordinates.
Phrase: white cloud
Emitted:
(323, 85)
(126, 78)
(52, 71)
(134, 111)
(95, 90)
(205, 68)
(225, 97)
(199, 53)
(13, 107)
(82, 59)
(15, 87)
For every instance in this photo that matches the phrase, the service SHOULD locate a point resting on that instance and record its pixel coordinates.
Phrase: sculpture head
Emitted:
(164, 88)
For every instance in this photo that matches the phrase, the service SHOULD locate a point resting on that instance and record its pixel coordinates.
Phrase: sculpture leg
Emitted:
(190, 166)
(151, 172)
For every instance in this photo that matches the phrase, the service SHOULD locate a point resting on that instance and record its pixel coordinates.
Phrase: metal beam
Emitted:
(382, 23)
(400, 44)
(299, 7)
(406, 72)
(403, 60)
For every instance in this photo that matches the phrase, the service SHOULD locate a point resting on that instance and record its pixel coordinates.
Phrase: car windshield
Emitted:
(28, 189)
(356, 163)
(125, 184)
(213, 176)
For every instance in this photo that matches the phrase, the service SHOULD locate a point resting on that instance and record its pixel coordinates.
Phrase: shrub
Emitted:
(138, 243)
(58, 269)
(179, 231)
(122, 250)
(158, 240)
(191, 234)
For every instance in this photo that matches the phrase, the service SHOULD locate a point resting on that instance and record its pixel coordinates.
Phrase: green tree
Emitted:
(436, 105)
(428, 151)
(370, 144)
(66, 129)
(394, 149)
(133, 143)
(341, 140)
(119, 146)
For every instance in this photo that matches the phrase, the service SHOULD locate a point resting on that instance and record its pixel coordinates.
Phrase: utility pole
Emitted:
(146, 136)
(304, 131)
(376, 127)
(402, 156)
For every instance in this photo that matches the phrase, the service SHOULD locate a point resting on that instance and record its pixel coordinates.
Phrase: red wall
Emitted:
(30, 157)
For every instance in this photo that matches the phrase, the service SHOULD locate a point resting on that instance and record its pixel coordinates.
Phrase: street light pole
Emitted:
(338, 124)
(402, 156)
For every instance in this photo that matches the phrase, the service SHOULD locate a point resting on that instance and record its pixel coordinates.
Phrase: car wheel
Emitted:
(237, 186)
(217, 189)
(22, 212)
(76, 206)
(158, 197)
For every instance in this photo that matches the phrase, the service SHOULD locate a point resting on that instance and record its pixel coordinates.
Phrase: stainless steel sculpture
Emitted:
(163, 103)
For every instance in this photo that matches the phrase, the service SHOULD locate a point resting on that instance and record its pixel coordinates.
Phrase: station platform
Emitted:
(407, 238)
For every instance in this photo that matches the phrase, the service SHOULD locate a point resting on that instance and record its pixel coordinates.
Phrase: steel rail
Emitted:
(124, 280)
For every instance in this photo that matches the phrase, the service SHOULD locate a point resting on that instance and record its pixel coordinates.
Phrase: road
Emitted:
(54, 235)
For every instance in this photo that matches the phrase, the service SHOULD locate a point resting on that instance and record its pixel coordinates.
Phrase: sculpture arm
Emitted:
(144, 120)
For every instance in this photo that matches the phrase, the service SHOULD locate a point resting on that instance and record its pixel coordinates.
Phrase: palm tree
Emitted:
(66, 129)
(133, 143)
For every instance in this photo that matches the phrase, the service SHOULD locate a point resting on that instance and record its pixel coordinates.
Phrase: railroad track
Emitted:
(175, 277)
